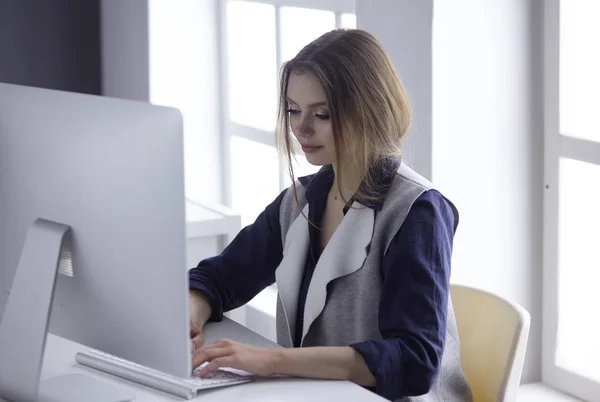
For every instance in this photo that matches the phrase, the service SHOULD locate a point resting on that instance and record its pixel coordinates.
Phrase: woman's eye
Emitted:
(292, 111)
(322, 116)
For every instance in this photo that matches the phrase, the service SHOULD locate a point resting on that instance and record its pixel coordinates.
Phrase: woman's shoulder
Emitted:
(407, 175)
(424, 198)
(433, 207)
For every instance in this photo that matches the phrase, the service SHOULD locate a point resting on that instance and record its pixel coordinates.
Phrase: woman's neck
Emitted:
(347, 191)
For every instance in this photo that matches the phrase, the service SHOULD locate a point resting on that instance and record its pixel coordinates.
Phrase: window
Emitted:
(571, 348)
(257, 36)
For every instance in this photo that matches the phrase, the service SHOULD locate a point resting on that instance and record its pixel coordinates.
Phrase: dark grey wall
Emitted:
(51, 44)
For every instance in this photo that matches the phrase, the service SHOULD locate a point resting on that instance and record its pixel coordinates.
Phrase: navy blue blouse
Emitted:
(415, 276)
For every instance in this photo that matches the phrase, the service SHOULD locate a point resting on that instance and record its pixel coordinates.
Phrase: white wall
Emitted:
(166, 52)
(487, 147)
(404, 28)
(124, 44)
(478, 132)
(183, 73)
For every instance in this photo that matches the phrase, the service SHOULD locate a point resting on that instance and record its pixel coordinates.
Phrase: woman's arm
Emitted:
(414, 301)
(200, 308)
(241, 271)
(333, 363)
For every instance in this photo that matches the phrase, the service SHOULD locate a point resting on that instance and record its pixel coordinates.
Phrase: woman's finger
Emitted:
(214, 365)
(200, 356)
(216, 345)
(194, 329)
(197, 341)
(221, 343)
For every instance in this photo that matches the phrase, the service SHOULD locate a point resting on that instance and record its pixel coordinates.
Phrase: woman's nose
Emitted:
(305, 128)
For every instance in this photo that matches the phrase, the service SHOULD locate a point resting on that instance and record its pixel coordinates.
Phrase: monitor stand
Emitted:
(24, 328)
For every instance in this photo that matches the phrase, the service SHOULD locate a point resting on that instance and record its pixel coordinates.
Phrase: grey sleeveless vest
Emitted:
(344, 293)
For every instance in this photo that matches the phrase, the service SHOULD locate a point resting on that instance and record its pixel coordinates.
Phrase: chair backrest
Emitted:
(493, 336)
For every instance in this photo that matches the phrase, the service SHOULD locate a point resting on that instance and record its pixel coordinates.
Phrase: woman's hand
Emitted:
(196, 336)
(327, 362)
(226, 353)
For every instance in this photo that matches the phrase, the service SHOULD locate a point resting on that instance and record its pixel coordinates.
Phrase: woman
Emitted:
(360, 251)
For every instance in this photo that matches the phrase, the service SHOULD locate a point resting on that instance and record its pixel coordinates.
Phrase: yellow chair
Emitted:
(493, 338)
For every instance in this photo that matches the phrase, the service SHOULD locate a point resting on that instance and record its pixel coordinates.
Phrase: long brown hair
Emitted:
(369, 109)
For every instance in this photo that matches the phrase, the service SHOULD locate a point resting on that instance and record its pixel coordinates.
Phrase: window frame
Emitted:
(556, 146)
(230, 128)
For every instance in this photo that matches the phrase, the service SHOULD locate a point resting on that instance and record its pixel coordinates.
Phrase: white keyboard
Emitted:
(184, 387)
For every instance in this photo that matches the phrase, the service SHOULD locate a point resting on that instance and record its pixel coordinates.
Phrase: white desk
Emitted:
(59, 359)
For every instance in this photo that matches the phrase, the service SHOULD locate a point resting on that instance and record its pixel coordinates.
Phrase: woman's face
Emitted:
(309, 118)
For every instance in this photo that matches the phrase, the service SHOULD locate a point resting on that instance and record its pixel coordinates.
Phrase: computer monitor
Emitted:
(112, 171)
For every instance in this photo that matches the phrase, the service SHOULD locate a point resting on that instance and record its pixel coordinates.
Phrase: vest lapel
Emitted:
(345, 253)
(288, 275)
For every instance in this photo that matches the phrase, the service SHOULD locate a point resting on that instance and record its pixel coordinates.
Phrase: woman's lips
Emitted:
(309, 149)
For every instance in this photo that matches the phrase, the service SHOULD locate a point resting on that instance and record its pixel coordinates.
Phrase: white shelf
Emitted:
(538, 392)
(209, 228)
(205, 219)
(261, 311)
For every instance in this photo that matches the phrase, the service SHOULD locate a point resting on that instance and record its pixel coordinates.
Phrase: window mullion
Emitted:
(580, 149)
(278, 60)
(223, 78)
